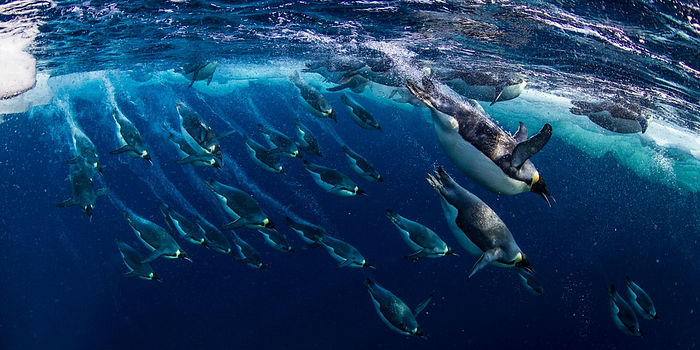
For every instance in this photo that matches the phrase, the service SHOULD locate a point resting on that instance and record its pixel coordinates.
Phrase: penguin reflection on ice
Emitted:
(477, 228)
(394, 312)
(481, 149)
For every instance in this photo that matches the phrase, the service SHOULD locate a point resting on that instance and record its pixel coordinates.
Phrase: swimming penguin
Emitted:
(195, 155)
(394, 312)
(132, 260)
(615, 117)
(361, 166)
(246, 254)
(307, 141)
(622, 314)
(199, 71)
(84, 194)
(356, 83)
(84, 151)
(283, 144)
(215, 239)
(530, 281)
(262, 157)
(276, 240)
(343, 252)
(481, 149)
(359, 114)
(310, 233)
(312, 100)
(129, 138)
(483, 86)
(477, 228)
(155, 238)
(180, 224)
(332, 181)
(640, 301)
(240, 206)
(200, 131)
(423, 240)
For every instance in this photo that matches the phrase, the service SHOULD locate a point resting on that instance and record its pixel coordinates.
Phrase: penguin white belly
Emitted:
(472, 162)
(315, 112)
(327, 187)
(407, 238)
(462, 239)
(359, 121)
(386, 321)
(512, 91)
(302, 141)
(361, 173)
(227, 209)
(264, 166)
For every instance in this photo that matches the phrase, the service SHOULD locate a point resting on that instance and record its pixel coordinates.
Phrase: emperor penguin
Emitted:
(356, 83)
(312, 100)
(200, 131)
(195, 155)
(240, 206)
(246, 254)
(640, 301)
(84, 194)
(477, 228)
(424, 241)
(155, 238)
(359, 114)
(129, 138)
(622, 314)
(623, 119)
(215, 239)
(332, 181)
(341, 251)
(307, 141)
(84, 150)
(481, 149)
(189, 230)
(361, 166)
(132, 259)
(262, 157)
(283, 144)
(309, 233)
(484, 86)
(394, 312)
(276, 240)
(199, 71)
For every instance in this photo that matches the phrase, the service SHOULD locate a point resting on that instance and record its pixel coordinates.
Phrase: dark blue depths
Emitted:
(62, 287)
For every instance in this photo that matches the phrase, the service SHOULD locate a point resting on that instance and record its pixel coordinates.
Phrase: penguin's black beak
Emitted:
(540, 187)
(148, 158)
(525, 265)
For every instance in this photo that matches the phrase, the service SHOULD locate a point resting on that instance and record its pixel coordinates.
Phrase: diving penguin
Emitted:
(129, 138)
(343, 252)
(622, 314)
(623, 119)
(215, 239)
(195, 155)
(84, 194)
(361, 166)
(359, 114)
(394, 312)
(312, 100)
(283, 144)
(477, 228)
(262, 157)
(529, 281)
(640, 301)
(199, 71)
(483, 86)
(276, 240)
(421, 239)
(310, 233)
(180, 224)
(480, 149)
(200, 131)
(246, 254)
(240, 206)
(155, 238)
(332, 181)
(84, 150)
(132, 259)
(307, 141)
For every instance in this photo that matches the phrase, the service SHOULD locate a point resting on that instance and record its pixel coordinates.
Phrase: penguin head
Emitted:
(358, 191)
(540, 187)
(267, 223)
(146, 156)
(449, 251)
(523, 262)
(153, 277)
(215, 164)
(88, 210)
(418, 332)
(183, 255)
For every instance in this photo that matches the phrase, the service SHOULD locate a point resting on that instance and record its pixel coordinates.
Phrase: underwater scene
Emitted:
(349, 174)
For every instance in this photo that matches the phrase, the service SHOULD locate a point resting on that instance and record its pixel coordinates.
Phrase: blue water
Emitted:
(626, 205)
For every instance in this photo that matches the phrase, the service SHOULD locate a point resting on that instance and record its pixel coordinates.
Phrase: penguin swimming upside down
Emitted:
(477, 228)
(480, 149)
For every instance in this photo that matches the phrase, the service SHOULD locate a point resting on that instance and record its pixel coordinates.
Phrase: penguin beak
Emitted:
(540, 187)
(148, 158)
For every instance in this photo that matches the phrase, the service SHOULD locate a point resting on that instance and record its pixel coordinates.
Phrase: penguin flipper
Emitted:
(497, 92)
(345, 263)
(526, 149)
(313, 245)
(238, 223)
(421, 306)
(154, 255)
(417, 255)
(130, 274)
(67, 203)
(101, 192)
(486, 258)
(124, 149)
(225, 134)
(643, 122)
(74, 160)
